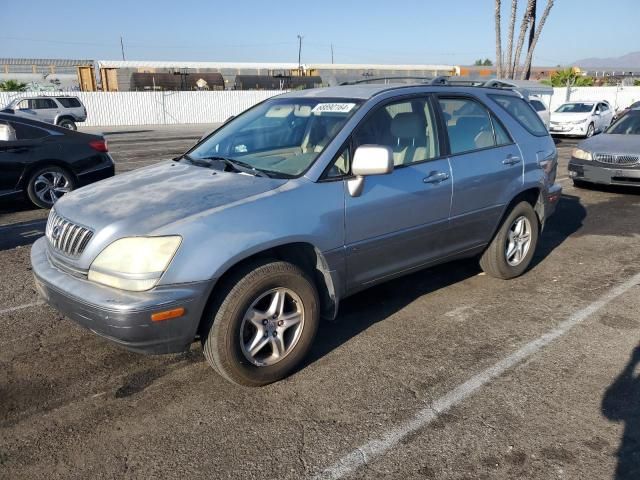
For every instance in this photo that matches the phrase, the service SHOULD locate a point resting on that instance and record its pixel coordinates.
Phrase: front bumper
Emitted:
(593, 172)
(121, 316)
(571, 130)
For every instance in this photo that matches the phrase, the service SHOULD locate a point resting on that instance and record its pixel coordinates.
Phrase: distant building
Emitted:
(48, 74)
(537, 73)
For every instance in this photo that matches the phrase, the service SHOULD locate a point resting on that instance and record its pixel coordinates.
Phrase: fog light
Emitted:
(573, 174)
(167, 314)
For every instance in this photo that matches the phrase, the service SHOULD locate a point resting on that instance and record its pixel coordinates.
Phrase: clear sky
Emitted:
(373, 31)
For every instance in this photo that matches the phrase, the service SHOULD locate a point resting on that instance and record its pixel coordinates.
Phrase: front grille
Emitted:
(67, 237)
(615, 159)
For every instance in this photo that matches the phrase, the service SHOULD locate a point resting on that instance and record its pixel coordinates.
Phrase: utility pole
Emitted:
(332, 53)
(532, 34)
(122, 47)
(299, 52)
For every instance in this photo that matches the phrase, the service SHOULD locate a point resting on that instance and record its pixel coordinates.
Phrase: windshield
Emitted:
(281, 137)
(628, 124)
(575, 108)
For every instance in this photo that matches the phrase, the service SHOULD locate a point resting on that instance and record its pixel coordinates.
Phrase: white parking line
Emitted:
(379, 446)
(20, 307)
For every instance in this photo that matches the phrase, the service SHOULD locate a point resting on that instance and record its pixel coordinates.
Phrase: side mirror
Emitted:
(369, 160)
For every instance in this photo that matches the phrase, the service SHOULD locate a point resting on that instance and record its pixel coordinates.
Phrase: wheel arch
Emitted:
(64, 116)
(302, 254)
(32, 167)
(531, 195)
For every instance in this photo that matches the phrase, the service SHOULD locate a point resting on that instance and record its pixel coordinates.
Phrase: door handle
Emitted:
(436, 177)
(511, 160)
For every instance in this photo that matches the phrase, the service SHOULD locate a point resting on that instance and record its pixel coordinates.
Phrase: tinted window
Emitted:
(27, 132)
(69, 102)
(468, 124)
(41, 103)
(628, 124)
(538, 105)
(604, 107)
(407, 127)
(522, 112)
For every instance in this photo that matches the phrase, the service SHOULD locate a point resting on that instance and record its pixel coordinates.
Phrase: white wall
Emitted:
(159, 108)
(618, 97)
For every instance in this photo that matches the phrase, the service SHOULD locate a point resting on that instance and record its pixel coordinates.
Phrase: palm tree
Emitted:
(498, 40)
(12, 86)
(512, 25)
(523, 31)
(536, 36)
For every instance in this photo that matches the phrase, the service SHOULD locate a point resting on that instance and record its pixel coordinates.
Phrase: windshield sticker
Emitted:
(333, 108)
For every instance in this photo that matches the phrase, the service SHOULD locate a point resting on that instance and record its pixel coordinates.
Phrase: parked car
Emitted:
(62, 111)
(541, 109)
(306, 198)
(612, 158)
(45, 162)
(633, 106)
(583, 119)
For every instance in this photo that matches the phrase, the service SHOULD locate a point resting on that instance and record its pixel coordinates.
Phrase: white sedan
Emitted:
(582, 119)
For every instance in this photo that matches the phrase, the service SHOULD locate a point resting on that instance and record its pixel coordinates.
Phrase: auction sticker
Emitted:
(333, 107)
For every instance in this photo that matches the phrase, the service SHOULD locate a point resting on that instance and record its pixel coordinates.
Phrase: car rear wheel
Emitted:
(68, 123)
(512, 248)
(47, 184)
(262, 324)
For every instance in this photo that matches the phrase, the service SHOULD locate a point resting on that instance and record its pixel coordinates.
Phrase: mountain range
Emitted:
(630, 60)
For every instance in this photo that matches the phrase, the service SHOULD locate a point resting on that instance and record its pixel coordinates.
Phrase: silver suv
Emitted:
(262, 228)
(62, 111)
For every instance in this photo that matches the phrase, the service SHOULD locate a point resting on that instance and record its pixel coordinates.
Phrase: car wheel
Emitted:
(591, 129)
(262, 324)
(46, 185)
(512, 248)
(66, 123)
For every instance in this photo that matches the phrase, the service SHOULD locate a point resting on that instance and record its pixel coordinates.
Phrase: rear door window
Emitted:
(44, 103)
(521, 110)
(468, 123)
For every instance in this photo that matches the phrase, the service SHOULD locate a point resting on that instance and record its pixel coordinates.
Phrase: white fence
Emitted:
(166, 108)
(618, 97)
(159, 108)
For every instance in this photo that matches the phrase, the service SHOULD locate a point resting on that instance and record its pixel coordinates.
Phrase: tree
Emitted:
(569, 78)
(636, 83)
(12, 86)
(509, 66)
(483, 63)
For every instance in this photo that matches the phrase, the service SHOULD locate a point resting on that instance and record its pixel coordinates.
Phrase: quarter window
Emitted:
(522, 112)
(468, 125)
(407, 127)
(27, 132)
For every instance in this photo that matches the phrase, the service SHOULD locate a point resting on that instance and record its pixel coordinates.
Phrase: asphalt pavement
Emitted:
(443, 374)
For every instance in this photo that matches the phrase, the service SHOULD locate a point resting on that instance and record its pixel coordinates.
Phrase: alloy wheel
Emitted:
(49, 186)
(518, 241)
(272, 326)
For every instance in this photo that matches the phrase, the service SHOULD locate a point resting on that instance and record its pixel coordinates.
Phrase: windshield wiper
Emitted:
(235, 165)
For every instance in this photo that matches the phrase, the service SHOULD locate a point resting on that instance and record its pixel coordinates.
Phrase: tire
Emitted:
(47, 184)
(494, 260)
(591, 129)
(230, 335)
(68, 123)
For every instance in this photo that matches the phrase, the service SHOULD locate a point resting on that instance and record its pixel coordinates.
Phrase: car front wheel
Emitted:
(512, 248)
(262, 324)
(591, 129)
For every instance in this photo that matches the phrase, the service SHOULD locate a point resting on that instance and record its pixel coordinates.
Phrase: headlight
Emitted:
(581, 154)
(578, 122)
(134, 263)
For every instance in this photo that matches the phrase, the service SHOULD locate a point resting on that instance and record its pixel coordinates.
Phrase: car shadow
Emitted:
(621, 403)
(367, 308)
(617, 189)
(567, 219)
(22, 233)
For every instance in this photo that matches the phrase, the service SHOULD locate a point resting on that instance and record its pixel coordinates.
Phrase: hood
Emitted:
(606, 143)
(141, 201)
(568, 116)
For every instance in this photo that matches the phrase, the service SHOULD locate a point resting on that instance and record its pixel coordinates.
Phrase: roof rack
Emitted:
(387, 79)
